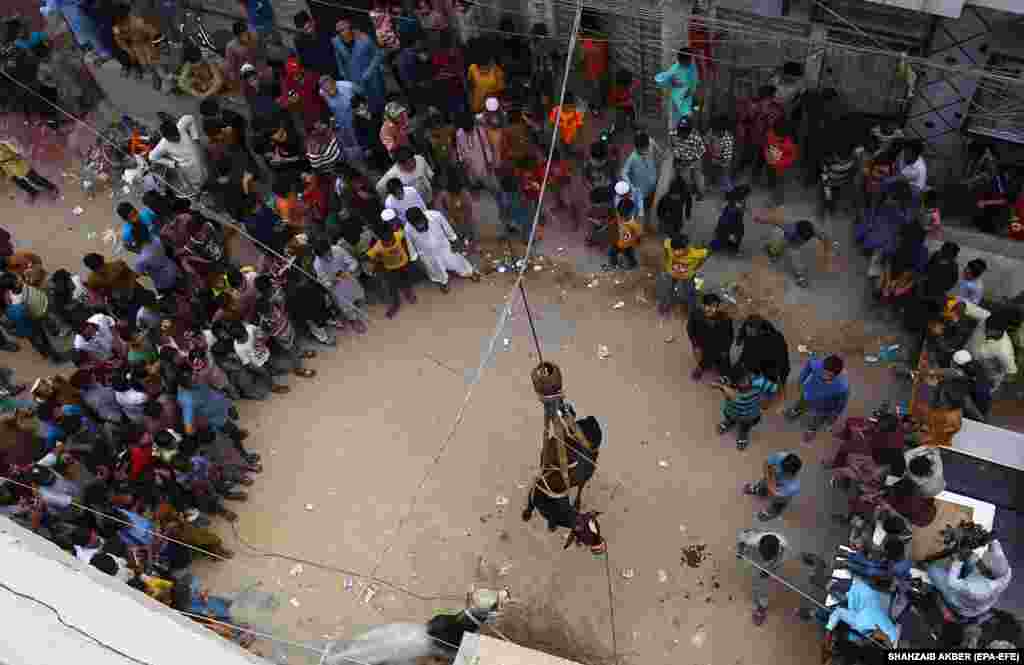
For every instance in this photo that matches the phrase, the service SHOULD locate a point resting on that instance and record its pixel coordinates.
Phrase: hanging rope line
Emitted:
(529, 316)
(502, 317)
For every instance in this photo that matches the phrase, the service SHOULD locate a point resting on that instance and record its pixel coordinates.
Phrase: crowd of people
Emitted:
(354, 168)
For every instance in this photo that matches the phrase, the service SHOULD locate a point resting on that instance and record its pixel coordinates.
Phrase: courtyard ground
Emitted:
(364, 475)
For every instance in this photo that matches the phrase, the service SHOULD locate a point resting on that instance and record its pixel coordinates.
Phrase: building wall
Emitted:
(96, 603)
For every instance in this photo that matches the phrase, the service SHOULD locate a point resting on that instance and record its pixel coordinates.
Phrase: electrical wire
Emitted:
(84, 633)
(207, 212)
(504, 314)
(611, 604)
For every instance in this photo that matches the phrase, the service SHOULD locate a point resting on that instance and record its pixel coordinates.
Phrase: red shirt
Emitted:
(595, 59)
(141, 459)
(787, 149)
(308, 92)
(315, 198)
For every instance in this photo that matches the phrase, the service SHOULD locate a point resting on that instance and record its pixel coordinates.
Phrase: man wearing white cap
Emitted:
(977, 592)
(625, 190)
(402, 197)
(492, 115)
(413, 171)
(430, 239)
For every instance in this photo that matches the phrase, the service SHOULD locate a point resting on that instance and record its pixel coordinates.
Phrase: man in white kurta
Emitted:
(180, 149)
(430, 239)
(402, 197)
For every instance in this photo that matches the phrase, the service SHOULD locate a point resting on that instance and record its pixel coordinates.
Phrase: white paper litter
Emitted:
(295, 602)
(619, 305)
(602, 352)
(662, 576)
(663, 464)
(501, 501)
(628, 573)
(309, 506)
(296, 570)
(700, 637)
(77, 210)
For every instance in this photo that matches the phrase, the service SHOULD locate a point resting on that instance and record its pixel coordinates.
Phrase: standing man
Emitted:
(260, 14)
(641, 169)
(681, 80)
(767, 550)
(359, 61)
(710, 331)
(314, 49)
(824, 393)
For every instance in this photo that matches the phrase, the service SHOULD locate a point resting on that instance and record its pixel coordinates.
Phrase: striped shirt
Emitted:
(747, 405)
(839, 172)
(323, 155)
(721, 146)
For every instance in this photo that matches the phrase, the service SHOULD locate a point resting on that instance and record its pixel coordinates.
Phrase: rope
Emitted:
(804, 595)
(502, 317)
(611, 604)
(529, 316)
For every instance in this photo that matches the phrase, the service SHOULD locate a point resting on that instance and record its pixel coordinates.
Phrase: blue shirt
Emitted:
(785, 484)
(969, 290)
(827, 399)
(641, 171)
(686, 80)
(153, 261)
(261, 225)
(202, 401)
(359, 62)
(865, 611)
(148, 219)
(261, 15)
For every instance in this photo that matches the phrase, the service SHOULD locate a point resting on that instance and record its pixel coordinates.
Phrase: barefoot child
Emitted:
(675, 284)
(729, 231)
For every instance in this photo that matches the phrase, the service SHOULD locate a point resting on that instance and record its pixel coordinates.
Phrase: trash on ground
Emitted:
(368, 595)
(296, 570)
(628, 573)
(309, 506)
(295, 602)
(663, 463)
(77, 210)
(592, 284)
(803, 348)
(670, 339)
(662, 576)
(603, 352)
(501, 501)
(699, 637)
(538, 268)
(619, 305)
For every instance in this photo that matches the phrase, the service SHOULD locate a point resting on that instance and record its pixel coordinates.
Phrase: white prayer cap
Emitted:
(246, 68)
(962, 357)
(491, 104)
(388, 215)
(622, 188)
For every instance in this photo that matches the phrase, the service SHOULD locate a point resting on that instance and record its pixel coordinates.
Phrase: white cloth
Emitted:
(916, 173)
(420, 177)
(433, 248)
(974, 594)
(85, 554)
(102, 343)
(254, 351)
(996, 356)
(345, 291)
(184, 155)
(132, 402)
(410, 199)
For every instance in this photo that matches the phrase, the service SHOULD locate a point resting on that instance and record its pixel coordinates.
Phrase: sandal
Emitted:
(305, 373)
(741, 444)
(759, 615)
(307, 354)
(280, 390)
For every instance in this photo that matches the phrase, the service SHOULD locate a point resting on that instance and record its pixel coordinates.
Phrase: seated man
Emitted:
(977, 592)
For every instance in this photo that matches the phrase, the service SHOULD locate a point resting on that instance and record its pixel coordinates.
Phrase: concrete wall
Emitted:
(97, 604)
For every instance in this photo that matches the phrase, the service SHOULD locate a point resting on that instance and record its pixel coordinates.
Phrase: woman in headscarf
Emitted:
(394, 131)
(338, 97)
(761, 349)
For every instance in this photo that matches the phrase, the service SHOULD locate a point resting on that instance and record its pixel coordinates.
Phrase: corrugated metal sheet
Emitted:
(945, 8)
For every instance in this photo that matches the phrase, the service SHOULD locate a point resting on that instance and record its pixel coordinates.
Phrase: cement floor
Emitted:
(364, 472)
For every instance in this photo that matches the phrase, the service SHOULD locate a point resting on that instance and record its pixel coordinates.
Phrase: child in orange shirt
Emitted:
(569, 123)
(625, 232)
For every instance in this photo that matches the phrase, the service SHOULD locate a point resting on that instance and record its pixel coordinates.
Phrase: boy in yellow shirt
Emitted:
(675, 284)
(625, 231)
(391, 255)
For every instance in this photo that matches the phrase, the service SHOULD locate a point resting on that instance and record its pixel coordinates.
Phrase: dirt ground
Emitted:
(361, 473)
